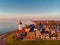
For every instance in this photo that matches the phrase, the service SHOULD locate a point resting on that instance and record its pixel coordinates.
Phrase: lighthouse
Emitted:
(19, 31)
(20, 25)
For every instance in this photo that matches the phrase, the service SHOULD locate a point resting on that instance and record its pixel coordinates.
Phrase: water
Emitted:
(7, 25)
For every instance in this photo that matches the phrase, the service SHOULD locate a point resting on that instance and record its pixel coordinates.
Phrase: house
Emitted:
(30, 36)
(54, 36)
(52, 31)
(41, 30)
(45, 34)
(47, 28)
(50, 23)
(26, 29)
(19, 32)
(38, 34)
(47, 22)
(58, 35)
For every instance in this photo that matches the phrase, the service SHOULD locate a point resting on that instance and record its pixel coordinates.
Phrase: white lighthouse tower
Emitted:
(20, 25)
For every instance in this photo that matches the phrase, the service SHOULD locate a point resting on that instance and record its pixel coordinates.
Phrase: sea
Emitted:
(7, 25)
(11, 24)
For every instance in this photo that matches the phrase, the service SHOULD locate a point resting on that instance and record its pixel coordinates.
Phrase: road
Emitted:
(3, 38)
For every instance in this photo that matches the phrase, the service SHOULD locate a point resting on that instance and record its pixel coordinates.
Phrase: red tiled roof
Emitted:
(47, 22)
(19, 31)
(58, 32)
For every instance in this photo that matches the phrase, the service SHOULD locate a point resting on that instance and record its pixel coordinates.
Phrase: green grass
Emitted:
(11, 40)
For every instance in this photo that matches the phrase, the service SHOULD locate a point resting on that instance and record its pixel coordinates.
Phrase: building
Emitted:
(45, 34)
(19, 25)
(38, 34)
(26, 29)
(54, 36)
(51, 23)
(19, 30)
(41, 30)
(30, 36)
(58, 35)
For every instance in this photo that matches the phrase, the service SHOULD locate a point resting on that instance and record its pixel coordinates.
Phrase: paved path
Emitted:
(3, 38)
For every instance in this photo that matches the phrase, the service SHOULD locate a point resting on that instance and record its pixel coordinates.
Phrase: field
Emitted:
(11, 40)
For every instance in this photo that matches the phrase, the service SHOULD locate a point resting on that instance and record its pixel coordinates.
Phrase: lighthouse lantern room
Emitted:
(19, 25)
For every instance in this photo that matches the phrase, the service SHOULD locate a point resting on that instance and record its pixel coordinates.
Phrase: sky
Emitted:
(30, 8)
